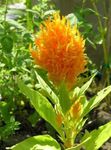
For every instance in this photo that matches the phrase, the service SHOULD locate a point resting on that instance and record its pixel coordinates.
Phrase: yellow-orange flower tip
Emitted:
(59, 119)
(60, 50)
(76, 109)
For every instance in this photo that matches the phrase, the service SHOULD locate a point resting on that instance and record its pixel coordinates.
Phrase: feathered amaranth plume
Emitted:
(60, 50)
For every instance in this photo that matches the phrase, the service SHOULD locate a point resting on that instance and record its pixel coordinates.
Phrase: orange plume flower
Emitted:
(60, 50)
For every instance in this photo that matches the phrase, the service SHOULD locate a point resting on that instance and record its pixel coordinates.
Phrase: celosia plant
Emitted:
(60, 51)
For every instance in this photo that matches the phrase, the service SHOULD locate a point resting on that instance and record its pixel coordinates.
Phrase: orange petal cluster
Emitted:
(60, 50)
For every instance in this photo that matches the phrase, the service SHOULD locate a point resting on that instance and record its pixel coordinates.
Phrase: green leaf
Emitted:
(33, 118)
(97, 137)
(49, 92)
(48, 12)
(41, 142)
(64, 99)
(7, 43)
(93, 102)
(9, 128)
(15, 24)
(83, 101)
(91, 43)
(41, 104)
(98, 39)
(4, 110)
(2, 30)
(86, 86)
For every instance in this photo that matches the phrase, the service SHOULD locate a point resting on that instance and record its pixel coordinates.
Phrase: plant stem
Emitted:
(6, 8)
(70, 136)
(102, 34)
(109, 45)
(105, 44)
(109, 27)
(29, 14)
(69, 142)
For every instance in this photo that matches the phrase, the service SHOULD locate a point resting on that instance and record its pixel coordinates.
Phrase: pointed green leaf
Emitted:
(34, 118)
(4, 110)
(83, 101)
(93, 102)
(97, 137)
(9, 128)
(41, 142)
(41, 104)
(53, 97)
(86, 85)
(15, 23)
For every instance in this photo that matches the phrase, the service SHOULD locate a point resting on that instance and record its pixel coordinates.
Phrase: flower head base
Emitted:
(60, 50)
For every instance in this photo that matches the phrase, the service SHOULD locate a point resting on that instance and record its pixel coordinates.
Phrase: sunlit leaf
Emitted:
(86, 85)
(49, 92)
(97, 137)
(41, 142)
(93, 102)
(41, 104)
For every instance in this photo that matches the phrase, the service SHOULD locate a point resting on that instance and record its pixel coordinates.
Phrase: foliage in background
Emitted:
(15, 38)
(97, 33)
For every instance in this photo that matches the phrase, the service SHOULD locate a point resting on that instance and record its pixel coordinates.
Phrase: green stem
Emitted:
(83, 3)
(105, 13)
(69, 141)
(29, 15)
(6, 7)
(105, 44)
(102, 33)
(70, 134)
(109, 27)
(5, 13)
